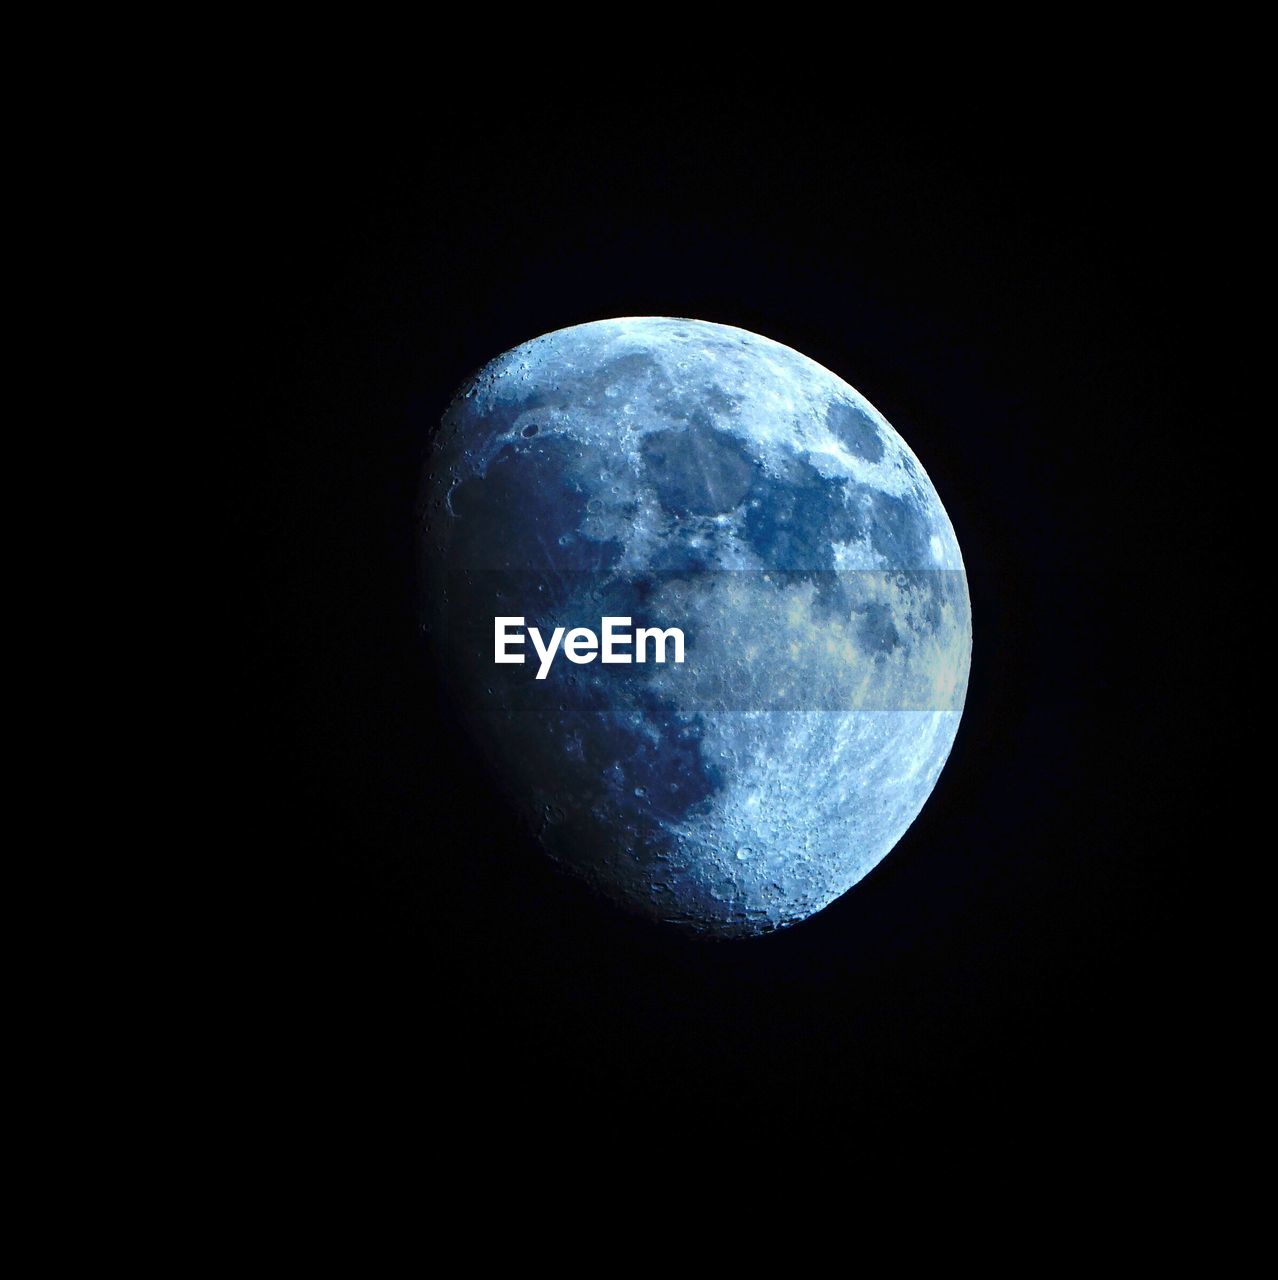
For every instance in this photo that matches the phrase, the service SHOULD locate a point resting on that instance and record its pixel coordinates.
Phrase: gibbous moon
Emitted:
(692, 476)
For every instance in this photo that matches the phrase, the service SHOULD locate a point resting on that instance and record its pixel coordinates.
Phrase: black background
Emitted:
(1015, 290)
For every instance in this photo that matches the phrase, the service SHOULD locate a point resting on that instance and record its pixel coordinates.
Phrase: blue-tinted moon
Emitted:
(696, 475)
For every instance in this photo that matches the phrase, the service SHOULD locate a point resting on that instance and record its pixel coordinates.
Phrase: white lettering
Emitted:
(641, 643)
(583, 645)
(611, 638)
(502, 638)
(547, 656)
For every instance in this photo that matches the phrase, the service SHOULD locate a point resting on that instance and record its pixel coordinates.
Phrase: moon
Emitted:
(693, 475)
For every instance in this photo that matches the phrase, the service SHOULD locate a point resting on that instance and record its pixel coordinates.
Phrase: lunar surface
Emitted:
(690, 475)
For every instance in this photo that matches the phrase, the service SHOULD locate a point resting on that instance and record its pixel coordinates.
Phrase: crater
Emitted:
(855, 430)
